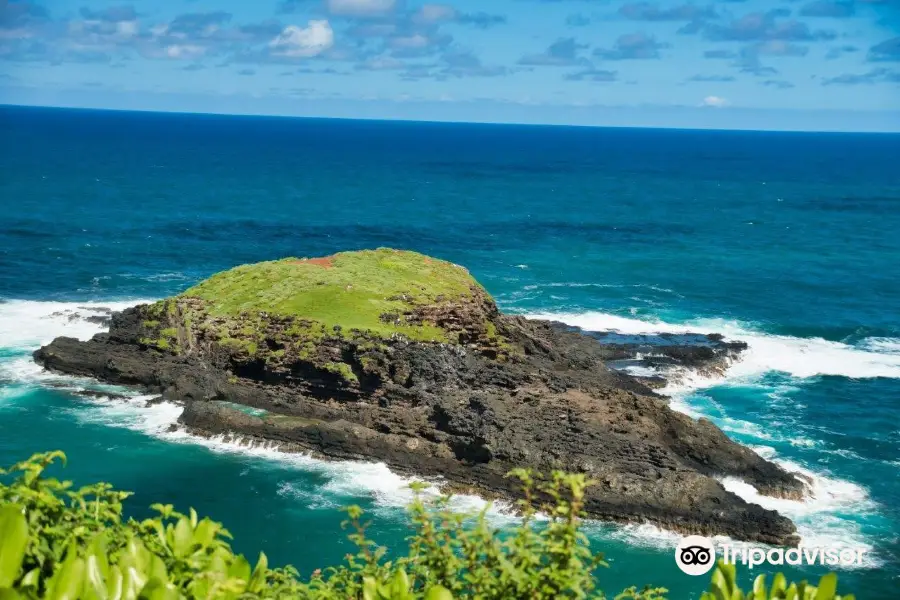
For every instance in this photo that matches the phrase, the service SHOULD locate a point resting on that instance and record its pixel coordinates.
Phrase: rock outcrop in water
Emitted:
(401, 358)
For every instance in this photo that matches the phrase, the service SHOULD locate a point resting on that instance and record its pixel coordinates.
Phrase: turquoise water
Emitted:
(787, 241)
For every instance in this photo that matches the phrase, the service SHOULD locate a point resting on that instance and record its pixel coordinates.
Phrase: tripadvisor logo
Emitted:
(695, 555)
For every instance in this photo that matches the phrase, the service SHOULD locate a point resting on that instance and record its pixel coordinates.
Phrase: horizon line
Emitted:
(438, 121)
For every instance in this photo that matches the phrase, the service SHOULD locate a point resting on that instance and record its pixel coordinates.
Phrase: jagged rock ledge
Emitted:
(398, 357)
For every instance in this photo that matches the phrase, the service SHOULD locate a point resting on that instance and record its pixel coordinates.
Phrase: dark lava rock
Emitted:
(527, 393)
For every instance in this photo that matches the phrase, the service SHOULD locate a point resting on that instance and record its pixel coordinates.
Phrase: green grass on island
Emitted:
(349, 290)
(294, 309)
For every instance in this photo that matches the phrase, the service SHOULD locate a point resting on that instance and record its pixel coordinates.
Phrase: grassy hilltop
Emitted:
(351, 290)
(323, 311)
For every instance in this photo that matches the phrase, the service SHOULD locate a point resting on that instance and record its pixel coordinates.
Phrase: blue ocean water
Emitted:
(785, 240)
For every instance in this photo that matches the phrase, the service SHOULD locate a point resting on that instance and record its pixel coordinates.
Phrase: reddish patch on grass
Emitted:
(326, 262)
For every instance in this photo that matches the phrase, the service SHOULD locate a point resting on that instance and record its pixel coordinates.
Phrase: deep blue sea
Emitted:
(788, 241)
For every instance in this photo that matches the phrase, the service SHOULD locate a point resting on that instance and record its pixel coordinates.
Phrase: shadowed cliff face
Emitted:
(496, 392)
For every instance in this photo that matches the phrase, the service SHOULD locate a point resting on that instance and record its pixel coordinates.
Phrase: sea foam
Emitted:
(27, 324)
(799, 357)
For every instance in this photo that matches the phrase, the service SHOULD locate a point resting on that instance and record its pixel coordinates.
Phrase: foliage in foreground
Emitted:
(724, 587)
(60, 543)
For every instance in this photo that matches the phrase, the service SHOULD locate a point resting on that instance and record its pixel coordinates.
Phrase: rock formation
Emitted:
(397, 357)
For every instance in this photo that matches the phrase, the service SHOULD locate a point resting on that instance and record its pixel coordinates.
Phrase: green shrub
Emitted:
(724, 587)
(60, 543)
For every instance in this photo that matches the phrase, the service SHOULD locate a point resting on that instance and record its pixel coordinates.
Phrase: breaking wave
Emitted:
(799, 357)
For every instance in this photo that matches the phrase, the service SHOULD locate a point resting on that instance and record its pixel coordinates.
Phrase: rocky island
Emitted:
(397, 357)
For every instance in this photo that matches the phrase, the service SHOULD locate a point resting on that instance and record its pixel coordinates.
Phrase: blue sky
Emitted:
(772, 64)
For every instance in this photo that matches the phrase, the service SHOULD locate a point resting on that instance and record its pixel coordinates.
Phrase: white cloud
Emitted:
(127, 28)
(361, 8)
(416, 40)
(435, 13)
(99, 32)
(301, 42)
(714, 102)
(184, 51)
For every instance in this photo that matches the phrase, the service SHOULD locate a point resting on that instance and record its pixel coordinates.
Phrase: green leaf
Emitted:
(792, 592)
(729, 572)
(438, 592)
(156, 568)
(718, 586)
(96, 570)
(370, 589)
(134, 565)
(182, 537)
(399, 586)
(258, 579)
(827, 587)
(115, 585)
(205, 532)
(218, 564)
(159, 590)
(68, 580)
(759, 588)
(239, 569)
(779, 585)
(132, 583)
(31, 579)
(13, 542)
(200, 588)
(164, 510)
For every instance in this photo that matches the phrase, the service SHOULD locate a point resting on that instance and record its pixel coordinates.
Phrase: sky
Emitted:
(739, 64)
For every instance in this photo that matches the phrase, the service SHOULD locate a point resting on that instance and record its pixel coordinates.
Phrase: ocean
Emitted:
(787, 241)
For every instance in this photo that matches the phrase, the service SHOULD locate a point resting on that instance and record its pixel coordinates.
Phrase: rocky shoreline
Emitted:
(489, 393)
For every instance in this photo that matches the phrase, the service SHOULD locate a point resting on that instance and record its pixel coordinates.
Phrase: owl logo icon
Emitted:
(695, 555)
